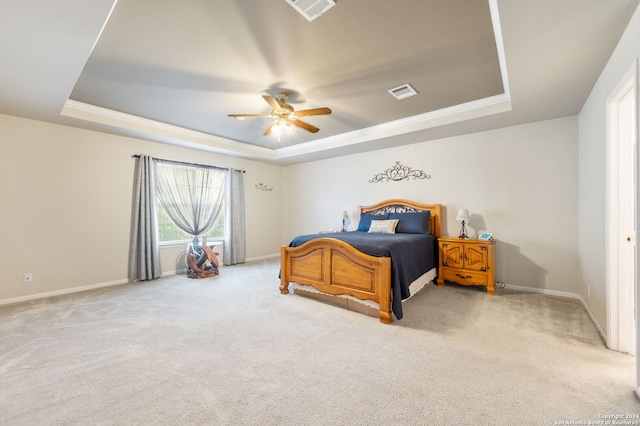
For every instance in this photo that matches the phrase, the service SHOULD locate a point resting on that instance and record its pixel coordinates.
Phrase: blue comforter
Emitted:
(411, 256)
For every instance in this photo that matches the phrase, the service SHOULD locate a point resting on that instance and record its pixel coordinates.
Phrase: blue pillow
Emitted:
(366, 218)
(412, 222)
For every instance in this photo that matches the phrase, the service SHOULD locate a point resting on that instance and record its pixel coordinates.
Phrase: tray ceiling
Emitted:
(171, 71)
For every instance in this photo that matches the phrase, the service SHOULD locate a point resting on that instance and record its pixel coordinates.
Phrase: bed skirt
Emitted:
(351, 303)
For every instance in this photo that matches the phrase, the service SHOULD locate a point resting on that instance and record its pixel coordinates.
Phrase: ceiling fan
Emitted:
(285, 117)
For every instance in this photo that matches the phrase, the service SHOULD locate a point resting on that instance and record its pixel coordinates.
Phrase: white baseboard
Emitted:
(564, 294)
(269, 256)
(543, 291)
(174, 272)
(594, 320)
(101, 285)
(60, 292)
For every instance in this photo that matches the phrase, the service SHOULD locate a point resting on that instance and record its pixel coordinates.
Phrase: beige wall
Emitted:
(67, 200)
(592, 172)
(66, 205)
(520, 182)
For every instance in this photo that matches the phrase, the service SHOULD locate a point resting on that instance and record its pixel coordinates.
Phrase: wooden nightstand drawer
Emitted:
(464, 277)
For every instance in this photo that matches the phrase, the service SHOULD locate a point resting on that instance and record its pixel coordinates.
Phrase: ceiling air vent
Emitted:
(403, 91)
(311, 9)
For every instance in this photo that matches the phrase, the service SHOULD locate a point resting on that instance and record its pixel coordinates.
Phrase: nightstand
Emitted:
(467, 262)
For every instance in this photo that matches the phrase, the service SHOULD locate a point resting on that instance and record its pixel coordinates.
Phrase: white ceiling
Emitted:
(171, 71)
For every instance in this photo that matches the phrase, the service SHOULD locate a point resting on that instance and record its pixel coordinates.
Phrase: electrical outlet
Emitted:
(28, 277)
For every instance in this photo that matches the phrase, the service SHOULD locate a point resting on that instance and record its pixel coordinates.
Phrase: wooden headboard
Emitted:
(401, 206)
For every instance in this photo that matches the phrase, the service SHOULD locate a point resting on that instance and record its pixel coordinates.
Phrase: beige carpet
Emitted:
(231, 350)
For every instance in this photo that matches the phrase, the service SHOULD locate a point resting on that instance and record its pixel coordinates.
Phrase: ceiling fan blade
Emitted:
(248, 115)
(313, 111)
(273, 103)
(269, 127)
(308, 127)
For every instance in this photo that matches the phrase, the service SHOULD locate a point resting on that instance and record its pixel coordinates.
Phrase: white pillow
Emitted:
(383, 226)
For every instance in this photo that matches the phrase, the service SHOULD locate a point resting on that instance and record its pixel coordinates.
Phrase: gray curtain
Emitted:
(235, 243)
(192, 197)
(144, 252)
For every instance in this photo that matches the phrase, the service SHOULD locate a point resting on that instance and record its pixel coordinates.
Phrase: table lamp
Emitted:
(345, 216)
(463, 215)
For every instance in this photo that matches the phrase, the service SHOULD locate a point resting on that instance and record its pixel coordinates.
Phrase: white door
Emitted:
(621, 149)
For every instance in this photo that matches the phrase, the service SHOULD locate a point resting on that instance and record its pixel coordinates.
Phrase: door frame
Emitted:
(621, 329)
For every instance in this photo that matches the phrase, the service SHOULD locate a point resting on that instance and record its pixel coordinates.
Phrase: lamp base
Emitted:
(463, 231)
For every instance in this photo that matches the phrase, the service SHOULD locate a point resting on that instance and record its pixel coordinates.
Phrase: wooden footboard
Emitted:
(334, 267)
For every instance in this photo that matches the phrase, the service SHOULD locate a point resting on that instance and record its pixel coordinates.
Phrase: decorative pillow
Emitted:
(383, 226)
(412, 222)
(366, 218)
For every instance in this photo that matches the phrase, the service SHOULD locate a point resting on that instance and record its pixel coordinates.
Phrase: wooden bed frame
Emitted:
(335, 268)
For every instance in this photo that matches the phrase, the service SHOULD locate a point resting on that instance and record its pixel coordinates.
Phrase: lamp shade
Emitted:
(345, 215)
(463, 214)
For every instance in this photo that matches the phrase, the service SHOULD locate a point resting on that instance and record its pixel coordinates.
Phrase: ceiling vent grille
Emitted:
(404, 91)
(311, 9)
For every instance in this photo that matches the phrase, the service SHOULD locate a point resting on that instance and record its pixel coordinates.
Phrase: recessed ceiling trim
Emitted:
(457, 113)
(113, 6)
(96, 114)
(198, 140)
(497, 33)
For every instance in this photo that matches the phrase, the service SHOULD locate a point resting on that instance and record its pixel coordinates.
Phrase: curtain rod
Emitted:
(206, 166)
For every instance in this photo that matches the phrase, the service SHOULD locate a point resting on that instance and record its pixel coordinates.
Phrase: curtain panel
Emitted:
(235, 241)
(144, 250)
(191, 196)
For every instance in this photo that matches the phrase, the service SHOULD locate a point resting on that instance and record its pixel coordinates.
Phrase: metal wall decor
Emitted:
(263, 187)
(399, 172)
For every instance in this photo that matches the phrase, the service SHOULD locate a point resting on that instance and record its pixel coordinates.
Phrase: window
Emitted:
(191, 196)
(170, 233)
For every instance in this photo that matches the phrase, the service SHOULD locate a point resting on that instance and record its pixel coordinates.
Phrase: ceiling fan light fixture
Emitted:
(283, 126)
(284, 117)
(286, 126)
